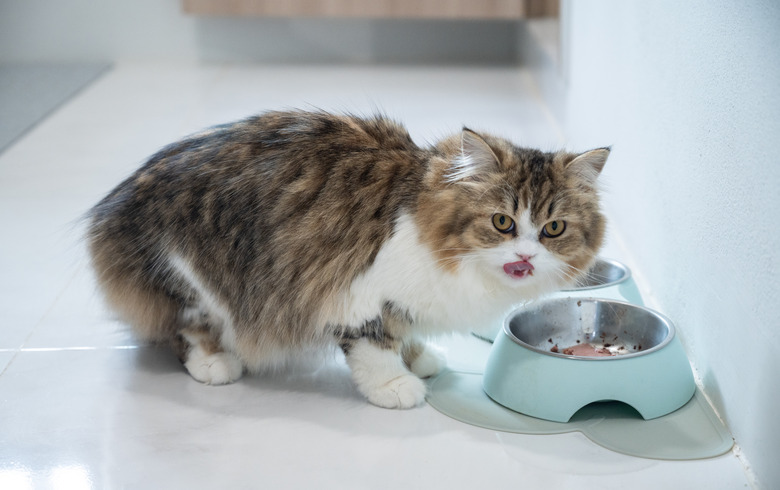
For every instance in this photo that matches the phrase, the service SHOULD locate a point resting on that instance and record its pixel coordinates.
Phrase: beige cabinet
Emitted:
(411, 9)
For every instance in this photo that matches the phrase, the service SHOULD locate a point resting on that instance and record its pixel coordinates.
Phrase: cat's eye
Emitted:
(554, 228)
(503, 223)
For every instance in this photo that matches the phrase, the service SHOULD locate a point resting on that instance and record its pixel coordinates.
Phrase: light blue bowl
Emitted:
(651, 374)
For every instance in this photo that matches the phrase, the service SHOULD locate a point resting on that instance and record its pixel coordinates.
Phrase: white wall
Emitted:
(111, 30)
(689, 95)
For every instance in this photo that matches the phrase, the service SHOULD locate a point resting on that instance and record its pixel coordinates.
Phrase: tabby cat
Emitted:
(258, 241)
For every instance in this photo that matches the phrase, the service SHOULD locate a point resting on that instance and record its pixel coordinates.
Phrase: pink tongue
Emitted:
(519, 269)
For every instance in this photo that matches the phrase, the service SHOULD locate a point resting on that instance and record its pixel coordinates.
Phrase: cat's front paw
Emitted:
(406, 391)
(430, 362)
(213, 369)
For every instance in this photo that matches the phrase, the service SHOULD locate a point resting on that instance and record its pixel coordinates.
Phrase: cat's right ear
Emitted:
(475, 158)
(589, 164)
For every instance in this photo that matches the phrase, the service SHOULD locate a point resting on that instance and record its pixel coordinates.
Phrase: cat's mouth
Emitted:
(520, 269)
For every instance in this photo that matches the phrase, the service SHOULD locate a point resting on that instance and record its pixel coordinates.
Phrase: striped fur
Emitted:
(293, 230)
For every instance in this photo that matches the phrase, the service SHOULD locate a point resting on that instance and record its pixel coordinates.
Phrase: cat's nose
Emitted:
(526, 258)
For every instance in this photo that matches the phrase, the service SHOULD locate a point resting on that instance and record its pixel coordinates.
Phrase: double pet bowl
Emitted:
(590, 344)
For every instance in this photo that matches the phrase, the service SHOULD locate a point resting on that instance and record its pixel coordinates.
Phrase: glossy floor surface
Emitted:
(84, 405)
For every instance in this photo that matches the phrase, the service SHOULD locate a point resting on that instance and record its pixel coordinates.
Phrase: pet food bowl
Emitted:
(643, 363)
(605, 279)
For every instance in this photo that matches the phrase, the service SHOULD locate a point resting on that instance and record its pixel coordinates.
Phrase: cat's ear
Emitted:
(588, 165)
(475, 158)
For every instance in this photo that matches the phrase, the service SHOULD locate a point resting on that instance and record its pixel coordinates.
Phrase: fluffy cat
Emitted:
(259, 240)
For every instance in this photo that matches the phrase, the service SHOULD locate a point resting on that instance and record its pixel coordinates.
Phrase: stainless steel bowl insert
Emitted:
(602, 274)
(624, 329)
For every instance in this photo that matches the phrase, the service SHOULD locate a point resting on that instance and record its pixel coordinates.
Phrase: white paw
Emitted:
(213, 369)
(431, 361)
(406, 391)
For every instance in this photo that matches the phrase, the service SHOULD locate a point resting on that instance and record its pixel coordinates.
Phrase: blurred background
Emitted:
(686, 93)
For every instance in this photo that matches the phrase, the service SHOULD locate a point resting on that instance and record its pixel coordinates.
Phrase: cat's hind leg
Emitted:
(205, 359)
(201, 324)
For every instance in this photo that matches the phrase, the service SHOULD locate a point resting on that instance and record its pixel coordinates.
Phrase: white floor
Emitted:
(83, 405)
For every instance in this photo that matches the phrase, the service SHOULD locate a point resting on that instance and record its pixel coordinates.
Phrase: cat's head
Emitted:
(522, 218)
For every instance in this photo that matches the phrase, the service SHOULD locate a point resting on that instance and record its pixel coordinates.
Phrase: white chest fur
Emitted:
(406, 273)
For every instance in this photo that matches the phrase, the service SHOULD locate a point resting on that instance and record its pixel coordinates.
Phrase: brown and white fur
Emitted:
(256, 241)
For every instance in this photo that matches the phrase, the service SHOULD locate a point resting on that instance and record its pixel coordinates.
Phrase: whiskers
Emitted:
(577, 278)
(454, 256)
(569, 276)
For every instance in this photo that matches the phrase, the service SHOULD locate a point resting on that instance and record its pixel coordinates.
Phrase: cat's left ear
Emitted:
(588, 165)
(475, 158)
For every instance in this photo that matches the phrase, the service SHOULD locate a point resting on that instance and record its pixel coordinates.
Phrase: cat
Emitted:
(256, 241)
